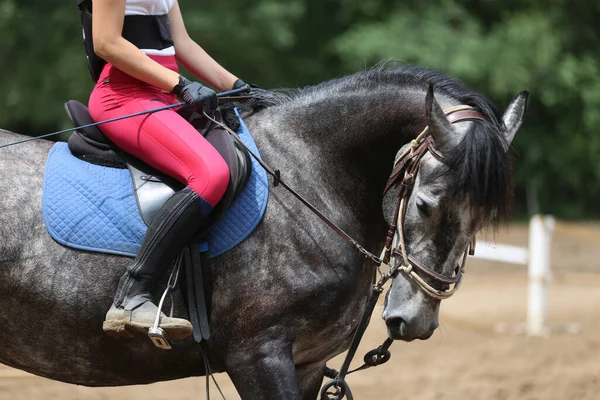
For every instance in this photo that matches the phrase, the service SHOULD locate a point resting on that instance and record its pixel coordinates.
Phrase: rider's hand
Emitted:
(195, 94)
(239, 84)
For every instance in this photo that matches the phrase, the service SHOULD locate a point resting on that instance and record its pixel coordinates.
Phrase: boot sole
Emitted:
(117, 329)
(127, 330)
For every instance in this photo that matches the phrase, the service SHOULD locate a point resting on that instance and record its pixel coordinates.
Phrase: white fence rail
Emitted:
(537, 256)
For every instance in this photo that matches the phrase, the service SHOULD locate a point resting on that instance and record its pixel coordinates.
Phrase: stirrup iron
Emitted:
(160, 338)
(157, 335)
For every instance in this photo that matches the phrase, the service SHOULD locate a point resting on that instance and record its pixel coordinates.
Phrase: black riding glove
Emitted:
(195, 94)
(239, 84)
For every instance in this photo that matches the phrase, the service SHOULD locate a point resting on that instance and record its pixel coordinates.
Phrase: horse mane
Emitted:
(256, 100)
(479, 165)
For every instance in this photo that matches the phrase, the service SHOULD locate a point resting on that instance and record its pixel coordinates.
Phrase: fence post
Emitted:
(540, 238)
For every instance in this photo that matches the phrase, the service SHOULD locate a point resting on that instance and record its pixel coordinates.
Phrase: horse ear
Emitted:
(439, 126)
(513, 116)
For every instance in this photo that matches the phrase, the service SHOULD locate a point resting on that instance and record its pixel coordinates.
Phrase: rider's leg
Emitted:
(174, 225)
(168, 143)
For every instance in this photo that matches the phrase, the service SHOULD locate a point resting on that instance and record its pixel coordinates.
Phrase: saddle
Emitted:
(152, 188)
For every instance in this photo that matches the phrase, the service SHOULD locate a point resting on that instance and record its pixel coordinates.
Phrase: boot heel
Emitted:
(116, 329)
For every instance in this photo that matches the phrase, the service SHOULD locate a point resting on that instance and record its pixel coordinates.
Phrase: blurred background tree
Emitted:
(495, 47)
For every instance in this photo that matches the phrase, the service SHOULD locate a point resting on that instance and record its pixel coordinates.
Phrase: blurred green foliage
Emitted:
(496, 47)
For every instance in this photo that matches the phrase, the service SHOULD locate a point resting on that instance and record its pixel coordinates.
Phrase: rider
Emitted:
(139, 43)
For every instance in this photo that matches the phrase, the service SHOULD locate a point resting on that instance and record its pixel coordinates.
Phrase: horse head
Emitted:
(453, 181)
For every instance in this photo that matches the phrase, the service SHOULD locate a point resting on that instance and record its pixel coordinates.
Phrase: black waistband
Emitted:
(148, 31)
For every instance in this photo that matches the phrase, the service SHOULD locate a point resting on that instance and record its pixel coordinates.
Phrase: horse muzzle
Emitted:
(400, 329)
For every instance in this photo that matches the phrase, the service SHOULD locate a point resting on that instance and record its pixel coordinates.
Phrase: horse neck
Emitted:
(347, 141)
(366, 126)
(357, 134)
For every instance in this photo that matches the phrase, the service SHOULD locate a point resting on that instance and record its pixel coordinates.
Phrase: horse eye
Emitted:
(423, 207)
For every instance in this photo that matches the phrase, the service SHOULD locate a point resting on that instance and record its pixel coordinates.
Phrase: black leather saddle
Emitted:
(152, 188)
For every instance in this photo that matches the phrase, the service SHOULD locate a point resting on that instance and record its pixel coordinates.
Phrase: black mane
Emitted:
(479, 165)
(257, 99)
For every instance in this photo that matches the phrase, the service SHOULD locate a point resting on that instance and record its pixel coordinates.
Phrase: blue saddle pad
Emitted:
(93, 208)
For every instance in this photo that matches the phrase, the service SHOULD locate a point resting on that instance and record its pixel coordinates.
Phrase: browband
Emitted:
(465, 115)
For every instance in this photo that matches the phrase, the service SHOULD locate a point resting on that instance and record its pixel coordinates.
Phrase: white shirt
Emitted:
(151, 7)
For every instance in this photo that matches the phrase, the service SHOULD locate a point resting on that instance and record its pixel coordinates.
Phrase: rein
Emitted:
(394, 250)
(226, 96)
(276, 174)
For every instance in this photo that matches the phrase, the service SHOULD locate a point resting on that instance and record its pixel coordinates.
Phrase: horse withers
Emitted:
(288, 298)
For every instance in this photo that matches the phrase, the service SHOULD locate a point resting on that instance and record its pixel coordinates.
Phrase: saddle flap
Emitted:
(239, 165)
(150, 193)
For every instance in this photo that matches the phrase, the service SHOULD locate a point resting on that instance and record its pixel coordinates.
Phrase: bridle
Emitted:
(406, 166)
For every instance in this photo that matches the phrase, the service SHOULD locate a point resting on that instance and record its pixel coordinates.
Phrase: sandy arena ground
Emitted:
(467, 358)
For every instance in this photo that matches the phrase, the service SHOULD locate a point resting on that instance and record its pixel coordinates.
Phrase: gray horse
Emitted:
(290, 296)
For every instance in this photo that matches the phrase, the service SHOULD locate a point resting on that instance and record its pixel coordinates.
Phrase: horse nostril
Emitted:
(394, 322)
(398, 329)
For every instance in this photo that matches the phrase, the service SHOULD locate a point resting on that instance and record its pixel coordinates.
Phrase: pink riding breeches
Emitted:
(164, 139)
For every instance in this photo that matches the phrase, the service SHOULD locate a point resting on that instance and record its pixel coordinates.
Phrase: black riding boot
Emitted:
(172, 228)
